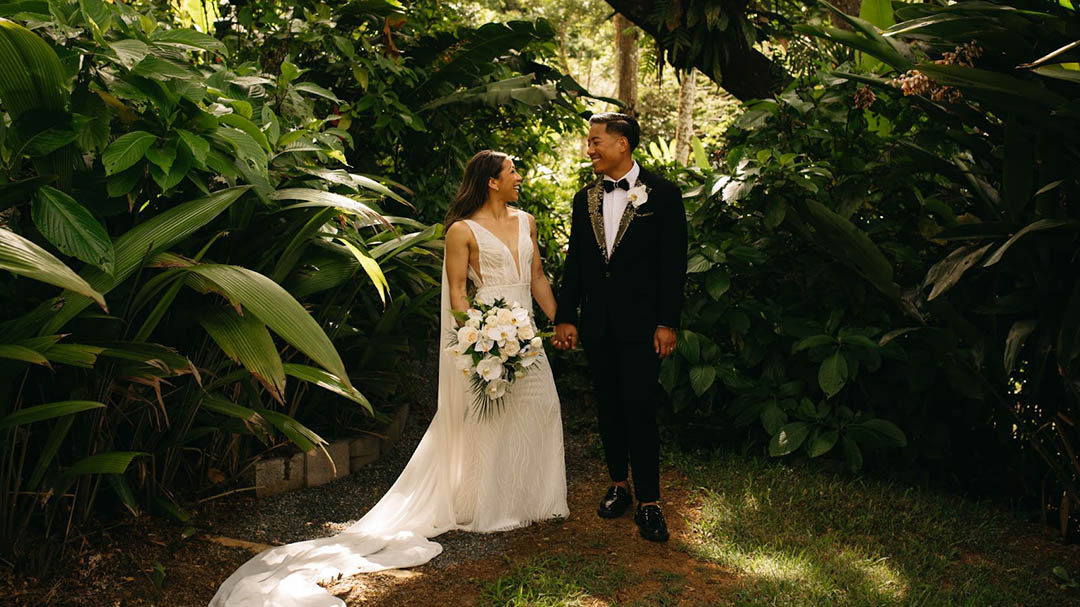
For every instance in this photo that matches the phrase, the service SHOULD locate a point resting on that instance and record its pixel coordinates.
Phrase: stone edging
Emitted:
(276, 475)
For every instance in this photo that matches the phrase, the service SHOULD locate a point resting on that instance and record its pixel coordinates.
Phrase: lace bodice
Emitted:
(498, 268)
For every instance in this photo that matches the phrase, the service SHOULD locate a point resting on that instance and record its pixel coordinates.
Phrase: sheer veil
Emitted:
(394, 533)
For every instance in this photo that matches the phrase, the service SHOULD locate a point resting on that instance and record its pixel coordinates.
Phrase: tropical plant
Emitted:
(190, 192)
(893, 239)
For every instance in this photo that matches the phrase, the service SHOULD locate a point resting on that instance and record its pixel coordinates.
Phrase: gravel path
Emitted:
(329, 509)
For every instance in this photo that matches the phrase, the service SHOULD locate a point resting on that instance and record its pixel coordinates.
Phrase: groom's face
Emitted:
(606, 150)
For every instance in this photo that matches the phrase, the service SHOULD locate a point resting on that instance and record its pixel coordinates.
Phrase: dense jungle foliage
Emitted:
(219, 225)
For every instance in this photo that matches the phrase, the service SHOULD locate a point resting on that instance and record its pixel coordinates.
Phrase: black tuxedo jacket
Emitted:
(641, 285)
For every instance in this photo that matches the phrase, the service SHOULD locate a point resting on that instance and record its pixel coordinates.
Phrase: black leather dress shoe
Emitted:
(650, 522)
(615, 502)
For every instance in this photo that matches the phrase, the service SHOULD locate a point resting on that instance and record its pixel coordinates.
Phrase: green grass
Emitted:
(553, 581)
(801, 536)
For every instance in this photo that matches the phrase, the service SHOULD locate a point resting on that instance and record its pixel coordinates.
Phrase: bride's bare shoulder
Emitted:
(459, 231)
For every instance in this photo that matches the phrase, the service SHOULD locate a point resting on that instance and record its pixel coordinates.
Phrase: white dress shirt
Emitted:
(615, 203)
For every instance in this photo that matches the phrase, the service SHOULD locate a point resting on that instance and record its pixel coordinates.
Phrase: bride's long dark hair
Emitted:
(473, 192)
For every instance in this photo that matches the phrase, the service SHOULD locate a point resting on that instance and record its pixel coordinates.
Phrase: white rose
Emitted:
(490, 368)
(494, 332)
(475, 314)
(467, 336)
(484, 344)
(473, 322)
(512, 348)
(504, 316)
(454, 350)
(496, 389)
(526, 332)
(637, 196)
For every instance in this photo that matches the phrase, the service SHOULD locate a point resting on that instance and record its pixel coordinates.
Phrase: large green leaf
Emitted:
(113, 462)
(22, 353)
(1022, 91)
(876, 46)
(51, 447)
(947, 272)
(322, 198)
(814, 341)
(877, 434)
(314, 89)
(503, 92)
(329, 382)
(39, 413)
(188, 39)
(128, 149)
(246, 340)
(788, 438)
(371, 267)
(702, 378)
(822, 442)
(1018, 334)
(22, 256)
(72, 228)
(878, 13)
(833, 374)
(298, 433)
(31, 76)
(853, 247)
(278, 309)
(1042, 224)
(773, 417)
(142, 242)
(353, 181)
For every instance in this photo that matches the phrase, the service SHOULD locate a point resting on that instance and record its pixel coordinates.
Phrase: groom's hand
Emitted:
(664, 341)
(565, 337)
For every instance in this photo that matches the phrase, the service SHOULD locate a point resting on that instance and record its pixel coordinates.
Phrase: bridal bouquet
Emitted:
(494, 345)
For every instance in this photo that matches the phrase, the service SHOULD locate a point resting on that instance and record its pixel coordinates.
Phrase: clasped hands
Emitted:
(566, 338)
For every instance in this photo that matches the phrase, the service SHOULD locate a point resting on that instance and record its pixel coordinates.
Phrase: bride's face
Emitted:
(508, 183)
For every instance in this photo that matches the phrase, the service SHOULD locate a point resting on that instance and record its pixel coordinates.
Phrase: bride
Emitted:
(498, 473)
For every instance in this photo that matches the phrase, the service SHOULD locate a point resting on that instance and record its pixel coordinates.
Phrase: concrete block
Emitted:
(317, 469)
(278, 475)
(396, 428)
(362, 451)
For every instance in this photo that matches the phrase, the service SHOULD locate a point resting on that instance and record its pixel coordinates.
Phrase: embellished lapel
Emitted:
(628, 214)
(595, 198)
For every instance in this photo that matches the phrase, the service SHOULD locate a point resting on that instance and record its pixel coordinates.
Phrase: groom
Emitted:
(625, 269)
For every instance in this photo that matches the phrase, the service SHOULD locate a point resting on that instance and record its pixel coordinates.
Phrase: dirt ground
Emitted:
(113, 568)
(583, 534)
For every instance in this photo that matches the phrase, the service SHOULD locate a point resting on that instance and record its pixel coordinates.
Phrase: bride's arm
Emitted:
(457, 264)
(541, 288)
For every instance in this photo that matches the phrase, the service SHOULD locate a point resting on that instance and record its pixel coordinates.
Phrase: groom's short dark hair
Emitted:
(621, 124)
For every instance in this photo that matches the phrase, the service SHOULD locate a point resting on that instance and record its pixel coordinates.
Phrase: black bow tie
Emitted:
(610, 185)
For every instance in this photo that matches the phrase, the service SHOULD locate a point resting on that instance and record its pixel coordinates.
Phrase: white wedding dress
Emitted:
(500, 473)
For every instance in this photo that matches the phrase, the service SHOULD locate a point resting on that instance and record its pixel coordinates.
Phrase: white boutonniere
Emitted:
(637, 195)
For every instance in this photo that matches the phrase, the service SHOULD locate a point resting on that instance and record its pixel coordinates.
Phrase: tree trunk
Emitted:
(626, 63)
(848, 7)
(744, 72)
(684, 128)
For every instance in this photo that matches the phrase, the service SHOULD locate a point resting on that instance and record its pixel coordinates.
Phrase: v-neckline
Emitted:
(517, 257)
